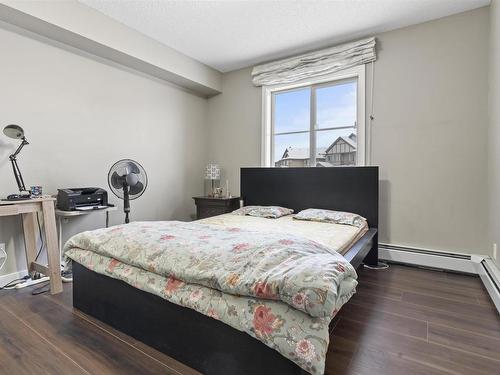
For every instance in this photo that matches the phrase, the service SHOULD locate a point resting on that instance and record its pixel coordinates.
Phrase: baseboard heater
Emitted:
(443, 260)
(490, 276)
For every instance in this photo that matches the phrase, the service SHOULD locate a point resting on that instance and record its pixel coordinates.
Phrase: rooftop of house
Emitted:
(301, 153)
(351, 141)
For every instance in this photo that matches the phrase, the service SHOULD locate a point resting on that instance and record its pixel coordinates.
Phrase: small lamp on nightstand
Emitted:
(212, 173)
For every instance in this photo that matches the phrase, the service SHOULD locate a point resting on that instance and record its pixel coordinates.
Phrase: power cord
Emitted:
(41, 237)
(37, 275)
(379, 266)
(12, 284)
(42, 289)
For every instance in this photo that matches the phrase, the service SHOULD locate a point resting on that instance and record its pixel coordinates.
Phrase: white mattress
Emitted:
(338, 237)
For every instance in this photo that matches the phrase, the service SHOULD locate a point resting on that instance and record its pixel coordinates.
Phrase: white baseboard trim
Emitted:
(427, 258)
(480, 265)
(4, 279)
(489, 273)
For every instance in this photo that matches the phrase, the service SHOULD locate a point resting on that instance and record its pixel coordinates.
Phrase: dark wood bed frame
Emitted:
(209, 345)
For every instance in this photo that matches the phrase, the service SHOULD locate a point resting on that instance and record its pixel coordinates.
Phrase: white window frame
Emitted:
(267, 109)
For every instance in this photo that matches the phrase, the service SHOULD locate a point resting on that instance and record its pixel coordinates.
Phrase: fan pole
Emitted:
(126, 203)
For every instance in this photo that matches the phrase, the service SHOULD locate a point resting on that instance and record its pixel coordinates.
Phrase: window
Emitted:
(317, 123)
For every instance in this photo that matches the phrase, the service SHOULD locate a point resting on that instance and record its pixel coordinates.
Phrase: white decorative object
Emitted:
(212, 173)
(313, 64)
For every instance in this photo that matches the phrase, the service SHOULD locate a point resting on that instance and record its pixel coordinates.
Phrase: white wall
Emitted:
(234, 119)
(429, 137)
(80, 116)
(494, 129)
(68, 22)
(430, 133)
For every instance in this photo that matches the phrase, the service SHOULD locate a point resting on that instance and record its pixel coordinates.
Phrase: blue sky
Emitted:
(336, 107)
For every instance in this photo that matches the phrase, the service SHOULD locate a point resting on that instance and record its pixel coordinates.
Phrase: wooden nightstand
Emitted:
(209, 206)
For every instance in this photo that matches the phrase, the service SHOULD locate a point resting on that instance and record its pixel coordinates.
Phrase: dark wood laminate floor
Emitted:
(403, 320)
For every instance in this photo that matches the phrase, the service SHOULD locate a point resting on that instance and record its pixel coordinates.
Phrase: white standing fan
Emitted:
(127, 180)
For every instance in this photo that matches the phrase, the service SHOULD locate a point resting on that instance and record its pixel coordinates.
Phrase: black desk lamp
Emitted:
(16, 132)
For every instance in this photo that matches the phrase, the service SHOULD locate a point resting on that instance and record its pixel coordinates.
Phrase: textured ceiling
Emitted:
(228, 35)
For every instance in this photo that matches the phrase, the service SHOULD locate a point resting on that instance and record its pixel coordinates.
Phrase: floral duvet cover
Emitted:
(281, 289)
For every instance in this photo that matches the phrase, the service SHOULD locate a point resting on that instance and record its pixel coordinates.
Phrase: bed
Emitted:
(215, 344)
(338, 237)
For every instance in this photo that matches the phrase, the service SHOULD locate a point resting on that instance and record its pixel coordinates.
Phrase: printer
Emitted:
(81, 198)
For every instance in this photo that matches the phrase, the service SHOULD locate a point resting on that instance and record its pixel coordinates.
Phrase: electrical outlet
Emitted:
(495, 251)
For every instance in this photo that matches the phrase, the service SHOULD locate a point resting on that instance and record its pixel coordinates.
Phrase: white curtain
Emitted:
(313, 64)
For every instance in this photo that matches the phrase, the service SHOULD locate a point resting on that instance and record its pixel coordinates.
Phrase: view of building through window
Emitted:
(315, 125)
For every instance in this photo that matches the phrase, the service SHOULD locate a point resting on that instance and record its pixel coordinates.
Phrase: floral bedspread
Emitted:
(281, 289)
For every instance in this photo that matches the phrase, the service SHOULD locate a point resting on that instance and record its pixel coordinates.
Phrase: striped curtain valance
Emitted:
(313, 64)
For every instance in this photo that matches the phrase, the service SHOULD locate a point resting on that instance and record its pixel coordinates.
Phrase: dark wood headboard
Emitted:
(351, 189)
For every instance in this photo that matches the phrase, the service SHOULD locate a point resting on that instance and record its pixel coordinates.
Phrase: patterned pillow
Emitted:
(329, 216)
(269, 212)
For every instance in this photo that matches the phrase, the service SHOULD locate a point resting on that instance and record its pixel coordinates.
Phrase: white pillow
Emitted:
(329, 216)
(269, 212)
